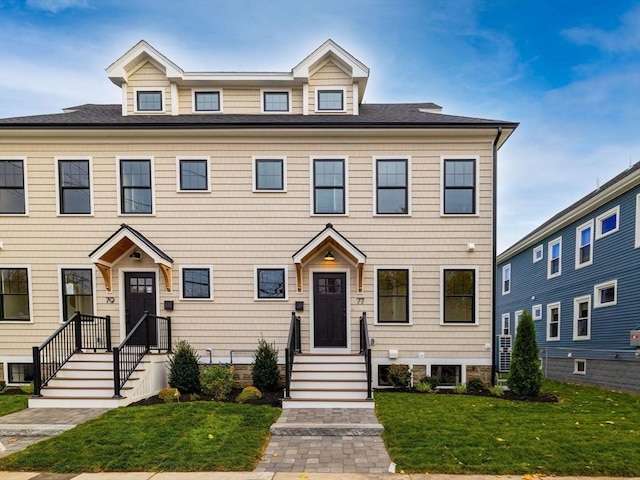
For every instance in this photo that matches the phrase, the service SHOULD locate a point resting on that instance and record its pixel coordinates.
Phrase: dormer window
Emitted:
(206, 101)
(331, 100)
(149, 101)
(276, 102)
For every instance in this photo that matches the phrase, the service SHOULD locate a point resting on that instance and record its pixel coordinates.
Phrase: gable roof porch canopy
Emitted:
(328, 239)
(126, 238)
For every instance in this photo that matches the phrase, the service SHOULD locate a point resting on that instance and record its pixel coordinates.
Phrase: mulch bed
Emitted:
(273, 399)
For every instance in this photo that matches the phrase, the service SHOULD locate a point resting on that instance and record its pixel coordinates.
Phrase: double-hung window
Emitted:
(77, 291)
(196, 283)
(330, 100)
(206, 101)
(329, 186)
(584, 244)
(392, 187)
(14, 295)
(582, 318)
(276, 102)
(392, 288)
(193, 175)
(269, 174)
(554, 265)
(149, 101)
(505, 324)
(459, 296)
(553, 322)
(12, 187)
(136, 193)
(506, 279)
(270, 283)
(74, 183)
(459, 187)
(608, 222)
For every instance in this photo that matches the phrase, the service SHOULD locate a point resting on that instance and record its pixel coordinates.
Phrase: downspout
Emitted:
(494, 222)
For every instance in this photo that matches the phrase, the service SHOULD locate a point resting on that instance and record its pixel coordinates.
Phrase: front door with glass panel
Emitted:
(140, 297)
(329, 310)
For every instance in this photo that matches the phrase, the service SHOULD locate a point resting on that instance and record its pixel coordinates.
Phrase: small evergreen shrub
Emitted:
(217, 381)
(431, 380)
(525, 375)
(423, 387)
(399, 376)
(459, 388)
(265, 373)
(475, 386)
(248, 394)
(169, 395)
(184, 373)
(496, 391)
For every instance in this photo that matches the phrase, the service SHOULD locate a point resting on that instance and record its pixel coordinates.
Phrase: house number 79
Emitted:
(110, 299)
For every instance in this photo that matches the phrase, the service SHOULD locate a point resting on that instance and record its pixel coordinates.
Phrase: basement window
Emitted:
(579, 367)
(20, 372)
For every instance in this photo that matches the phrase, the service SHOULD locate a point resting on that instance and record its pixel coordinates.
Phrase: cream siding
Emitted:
(328, 74)
(234, 229)
(148, 77)
(245, 101)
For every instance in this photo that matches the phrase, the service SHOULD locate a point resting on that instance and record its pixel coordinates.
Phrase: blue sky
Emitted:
(567, 70)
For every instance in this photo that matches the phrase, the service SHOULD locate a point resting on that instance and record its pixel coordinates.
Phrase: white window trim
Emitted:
(506, 268)
(93, 286)
(198, 158)
(119, 186)
(599, 219)
(476, 158)
(637, 245)
(576, 362)
(551, 306)
(181, 280)
(579, 231)
(576, 311)
(26, 189)
(255, 282)
(29, 291)
(533, 312)
(602, 286)
(312, 200)
(163, 100)
(505, 322)
(375, 185)
(254, 178)
(550, 246)
(517, 316)
(206, 90)
(276, 90)
(57, 177)
(476, 300)
(6, 360)
(325, 88)
(538, 250)
(375, 296)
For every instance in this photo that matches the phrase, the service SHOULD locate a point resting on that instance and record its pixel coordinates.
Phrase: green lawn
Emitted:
(590, 431)
(196, 436)
(12, 403)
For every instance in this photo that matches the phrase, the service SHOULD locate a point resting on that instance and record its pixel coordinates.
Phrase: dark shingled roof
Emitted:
(371, 115)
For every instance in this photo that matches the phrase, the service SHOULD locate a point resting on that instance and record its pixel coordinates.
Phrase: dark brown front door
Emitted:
(140, 297)
(330, 310)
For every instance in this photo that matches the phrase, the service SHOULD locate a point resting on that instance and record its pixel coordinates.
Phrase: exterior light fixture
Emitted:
(135, 255)
(329, 256)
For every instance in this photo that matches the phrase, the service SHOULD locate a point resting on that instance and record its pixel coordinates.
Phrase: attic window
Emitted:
(207, 101)
(276, 101)
(331, 100)
(149, 101)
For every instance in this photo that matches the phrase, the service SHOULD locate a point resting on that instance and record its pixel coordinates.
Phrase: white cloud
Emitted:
(55, 6)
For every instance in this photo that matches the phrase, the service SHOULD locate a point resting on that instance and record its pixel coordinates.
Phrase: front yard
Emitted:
(12, 403)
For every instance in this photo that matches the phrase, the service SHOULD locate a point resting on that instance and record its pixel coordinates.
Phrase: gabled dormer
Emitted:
(329, 81)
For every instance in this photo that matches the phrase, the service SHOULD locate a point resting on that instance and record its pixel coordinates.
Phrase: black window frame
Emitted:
(181, 179)
(436, 371)
(317, 188)
(5, 185)
(83, 187)
(471, 296)
(208, 92)
(391, 295)
(258, 162)
(259, 290)
(330, 91)
(27, 375)
(447, 188)
(139, 101)
(276, 110)
(4, 295)
(66, 315)
(380, 188)
(207, 286)
(124, 188)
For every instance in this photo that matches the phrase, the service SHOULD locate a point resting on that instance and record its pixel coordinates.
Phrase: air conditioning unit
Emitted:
(634, 337)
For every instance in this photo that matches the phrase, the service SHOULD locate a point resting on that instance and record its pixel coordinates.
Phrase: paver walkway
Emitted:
(326, 441)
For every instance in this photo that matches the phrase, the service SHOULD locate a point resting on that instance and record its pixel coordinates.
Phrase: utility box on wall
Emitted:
(634, 337)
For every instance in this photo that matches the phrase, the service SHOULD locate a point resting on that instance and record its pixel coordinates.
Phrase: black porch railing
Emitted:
(294, 345)
(365, 349)
(139, 342)
(80, 332)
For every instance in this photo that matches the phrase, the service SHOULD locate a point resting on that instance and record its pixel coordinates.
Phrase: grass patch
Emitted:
(196, 436)
(12, 403)
(590, 431)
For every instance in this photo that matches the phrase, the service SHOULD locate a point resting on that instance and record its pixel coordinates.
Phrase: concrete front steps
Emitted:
(86, 381)
(328, 381)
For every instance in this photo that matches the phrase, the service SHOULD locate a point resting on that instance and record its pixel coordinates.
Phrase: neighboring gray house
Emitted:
(578, 274)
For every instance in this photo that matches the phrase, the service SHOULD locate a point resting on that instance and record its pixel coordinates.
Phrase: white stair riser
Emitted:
(93, 356)
(81, 383)
(43, 402)
(314, 385)
(330, 394)
(310, 358)
(286, 404)
(80, 374)
(337, 376)
(333, 367)
(75, 365)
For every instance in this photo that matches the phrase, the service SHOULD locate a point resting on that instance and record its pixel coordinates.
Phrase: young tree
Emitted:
(184, 373)
(266, 375)
(525, 376)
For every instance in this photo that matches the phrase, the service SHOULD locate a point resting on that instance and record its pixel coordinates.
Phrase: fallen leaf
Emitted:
(275, 454)
(609, 422)
(500, 439)
(12, 440)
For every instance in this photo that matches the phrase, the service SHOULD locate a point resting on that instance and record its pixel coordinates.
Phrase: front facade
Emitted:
(578, 275)
(227, 201)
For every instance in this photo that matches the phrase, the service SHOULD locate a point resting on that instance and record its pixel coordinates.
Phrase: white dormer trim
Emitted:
(348, 62)
(120, 70)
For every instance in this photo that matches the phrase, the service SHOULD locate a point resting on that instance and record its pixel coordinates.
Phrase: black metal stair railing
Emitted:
(139, 342)
(294, 346)
(79, 333)
(365, 349)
